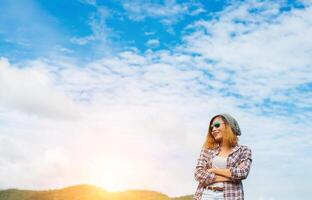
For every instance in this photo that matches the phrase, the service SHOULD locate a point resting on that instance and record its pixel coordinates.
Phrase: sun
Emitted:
(110, 177)
(111, 174)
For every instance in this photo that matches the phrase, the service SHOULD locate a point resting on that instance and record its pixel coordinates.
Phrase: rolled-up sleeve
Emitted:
(201, 174)
(242, 170)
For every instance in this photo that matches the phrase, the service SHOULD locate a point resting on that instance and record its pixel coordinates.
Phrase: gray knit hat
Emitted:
(231, 121)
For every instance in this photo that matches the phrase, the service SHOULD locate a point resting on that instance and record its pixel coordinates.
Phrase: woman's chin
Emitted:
(218, 139)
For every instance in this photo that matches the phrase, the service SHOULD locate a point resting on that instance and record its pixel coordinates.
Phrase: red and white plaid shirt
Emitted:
(238, 161)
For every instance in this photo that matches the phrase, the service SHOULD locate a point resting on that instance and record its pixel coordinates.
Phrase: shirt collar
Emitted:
(217, 149)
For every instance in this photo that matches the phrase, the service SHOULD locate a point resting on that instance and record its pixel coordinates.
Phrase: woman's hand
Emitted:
(212, 170)
(219, 179)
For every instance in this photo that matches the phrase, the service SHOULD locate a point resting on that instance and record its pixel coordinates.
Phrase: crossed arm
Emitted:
(226, 173)
(212, 175)
(206, 175)
(219, 178)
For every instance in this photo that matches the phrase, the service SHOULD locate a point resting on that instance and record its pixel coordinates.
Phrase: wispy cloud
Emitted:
(90, 2)
(169, 12)
(264, 52)
(152, 43)
(97, 23)
(100, 40)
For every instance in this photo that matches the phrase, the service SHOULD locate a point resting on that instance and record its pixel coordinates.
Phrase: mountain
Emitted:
(85, 192)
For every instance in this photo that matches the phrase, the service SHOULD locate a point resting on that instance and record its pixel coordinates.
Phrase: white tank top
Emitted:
(219, 162)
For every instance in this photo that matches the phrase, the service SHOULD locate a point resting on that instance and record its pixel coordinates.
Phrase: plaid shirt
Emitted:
(238, 161)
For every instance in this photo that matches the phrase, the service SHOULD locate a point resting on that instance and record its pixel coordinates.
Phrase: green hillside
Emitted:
(85, 192)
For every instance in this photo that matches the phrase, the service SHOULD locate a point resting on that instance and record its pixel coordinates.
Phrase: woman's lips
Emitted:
(215, 134)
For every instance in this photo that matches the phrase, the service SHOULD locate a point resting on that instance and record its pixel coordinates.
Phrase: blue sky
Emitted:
(83, 26)
(121, 24)
(88, 87)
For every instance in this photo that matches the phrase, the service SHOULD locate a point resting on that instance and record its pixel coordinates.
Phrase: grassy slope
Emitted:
(85, 192)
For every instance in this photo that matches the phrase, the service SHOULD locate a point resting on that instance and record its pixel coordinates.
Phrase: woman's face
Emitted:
(218, 128)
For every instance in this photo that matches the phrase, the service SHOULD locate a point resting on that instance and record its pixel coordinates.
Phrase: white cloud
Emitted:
(152, 43)
(149, 33)
(171, 113)
(266, 52)
(90, 2)
(169, 12)
(82, 40)
(101, 33)
(31, 91)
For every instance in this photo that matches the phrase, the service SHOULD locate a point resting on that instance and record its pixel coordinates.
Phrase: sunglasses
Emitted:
(216, 125)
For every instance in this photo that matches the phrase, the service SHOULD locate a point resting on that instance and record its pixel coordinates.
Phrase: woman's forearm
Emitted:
(221, 179)
(217, 179)
(221, 172)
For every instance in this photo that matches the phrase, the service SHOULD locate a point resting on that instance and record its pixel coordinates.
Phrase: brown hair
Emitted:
(229, 136)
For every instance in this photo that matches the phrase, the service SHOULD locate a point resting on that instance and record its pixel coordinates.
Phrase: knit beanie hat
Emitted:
(231, 121)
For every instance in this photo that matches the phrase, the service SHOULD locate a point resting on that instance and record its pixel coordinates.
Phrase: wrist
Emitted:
(215, 170)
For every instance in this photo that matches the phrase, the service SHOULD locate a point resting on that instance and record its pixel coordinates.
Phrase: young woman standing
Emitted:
(223, 163)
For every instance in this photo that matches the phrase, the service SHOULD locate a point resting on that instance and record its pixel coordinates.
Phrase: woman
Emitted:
(223, 163)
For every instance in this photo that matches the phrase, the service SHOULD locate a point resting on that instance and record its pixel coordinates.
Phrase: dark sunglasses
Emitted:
(216, 125)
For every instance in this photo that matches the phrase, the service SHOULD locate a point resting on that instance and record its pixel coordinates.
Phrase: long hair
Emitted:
(229, 136)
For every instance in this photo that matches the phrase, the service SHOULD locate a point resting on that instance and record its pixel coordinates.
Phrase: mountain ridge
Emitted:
(85, 192)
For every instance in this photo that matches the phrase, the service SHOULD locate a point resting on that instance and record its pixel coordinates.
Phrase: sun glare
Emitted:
(111, 174)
